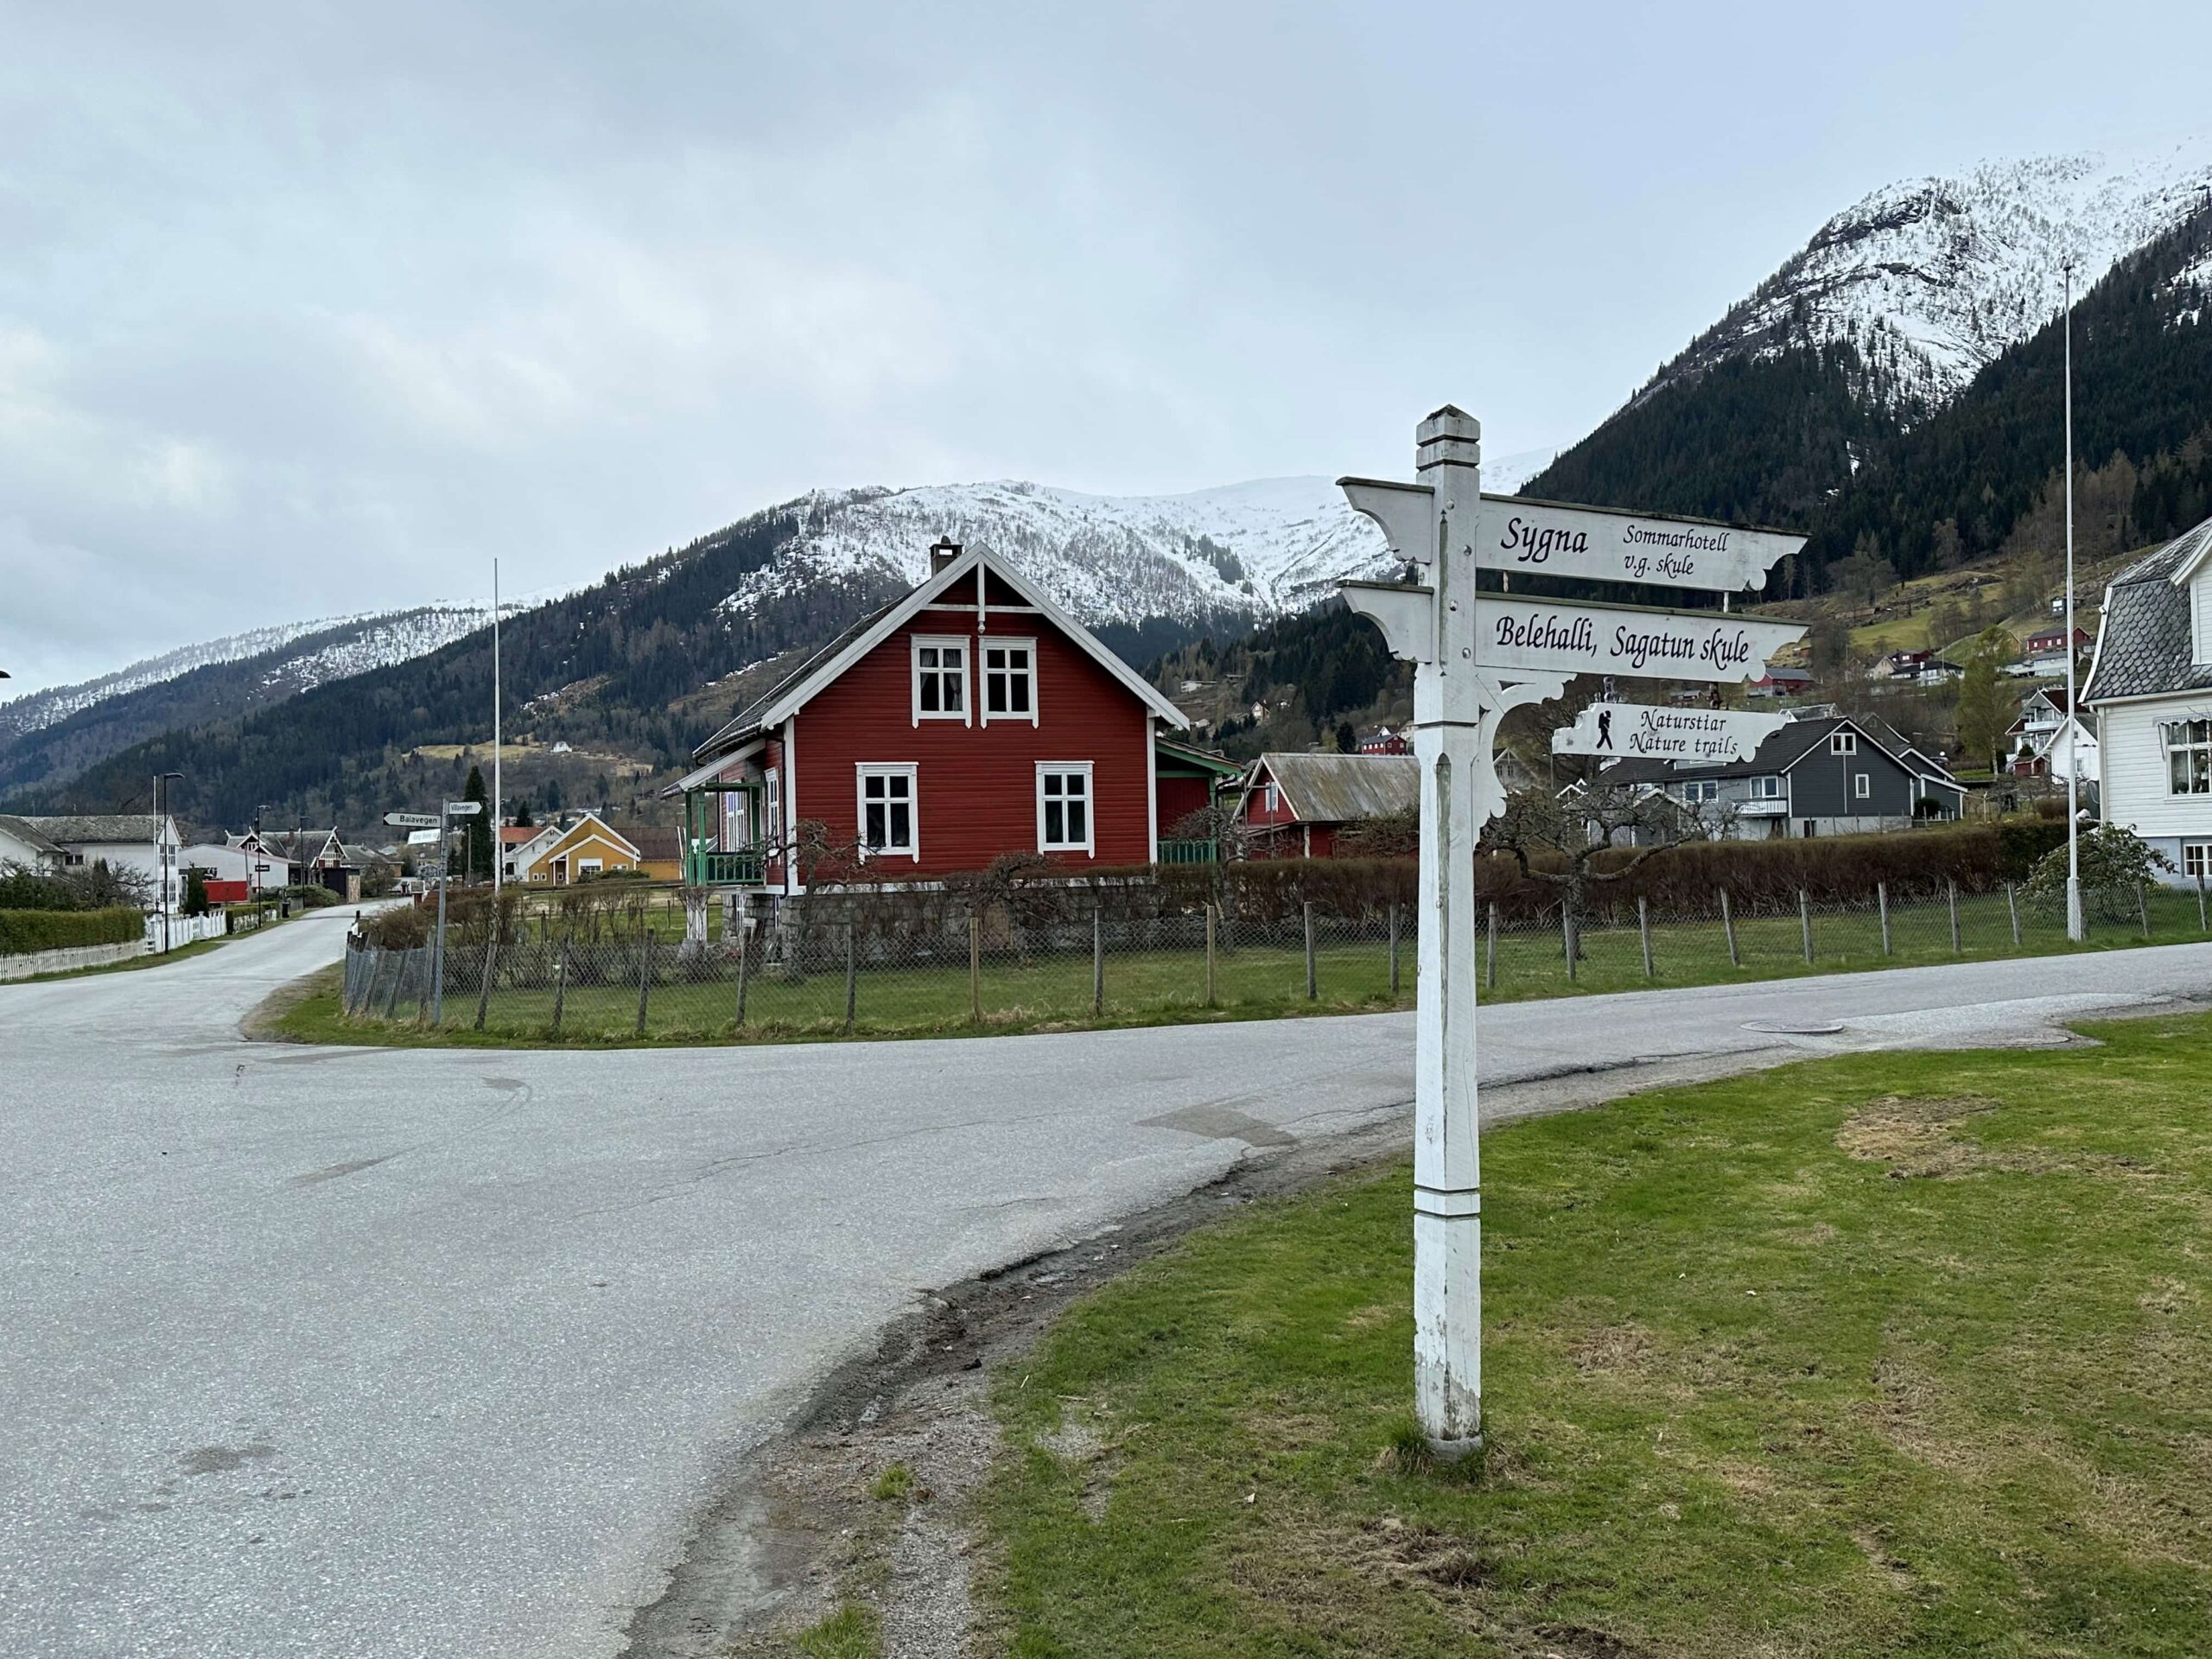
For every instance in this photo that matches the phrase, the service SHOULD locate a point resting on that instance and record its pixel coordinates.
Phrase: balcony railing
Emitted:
(1766, 806)
(743, 868)
(1187, 852)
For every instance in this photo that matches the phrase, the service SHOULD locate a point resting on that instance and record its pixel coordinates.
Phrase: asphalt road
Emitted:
(379, 1352)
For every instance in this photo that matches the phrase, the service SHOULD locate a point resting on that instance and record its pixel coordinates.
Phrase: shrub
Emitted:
(24, 888)
(307, 896)
(2115, 860)
(195, 894)
(25, 930)
(402, 927)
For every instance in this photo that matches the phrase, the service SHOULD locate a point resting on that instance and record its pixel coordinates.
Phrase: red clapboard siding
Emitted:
(1178, 798)
(976, 786)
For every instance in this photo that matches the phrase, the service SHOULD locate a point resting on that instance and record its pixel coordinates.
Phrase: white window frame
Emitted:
(2197, 860)
(942, 642)
(1862, 787)
(1767, 787)
(1699, 791)
(1271, 799)
(2193, 751)
(988, 645)
(863, 771)
(591, 866)
(772, 791)
(1843, 742)
(1089, 844)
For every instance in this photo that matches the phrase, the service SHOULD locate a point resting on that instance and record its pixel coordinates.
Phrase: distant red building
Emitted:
(971, 718)
(1298, 806)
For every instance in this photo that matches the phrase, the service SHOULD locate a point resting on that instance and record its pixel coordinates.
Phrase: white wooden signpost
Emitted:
(1696, 737)
(1476, 659)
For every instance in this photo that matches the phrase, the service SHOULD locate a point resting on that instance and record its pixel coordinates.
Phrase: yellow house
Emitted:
(588, 848)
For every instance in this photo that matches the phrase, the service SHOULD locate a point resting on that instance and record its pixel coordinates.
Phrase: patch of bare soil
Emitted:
(799, 1531)
(1919, 1138)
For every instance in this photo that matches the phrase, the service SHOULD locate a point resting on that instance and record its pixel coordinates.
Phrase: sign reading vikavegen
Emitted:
(1554, 637)
(1692, 736)
(1591, 542)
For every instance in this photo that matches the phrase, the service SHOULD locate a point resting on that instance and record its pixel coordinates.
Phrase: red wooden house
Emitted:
(1296, 805)
(971, 718)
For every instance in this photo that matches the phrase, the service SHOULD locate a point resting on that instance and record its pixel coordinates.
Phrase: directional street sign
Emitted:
(1592, 543)
(411, 820)
(1692, 736)
(463, 809)
(1477, 657)
(1545, 636)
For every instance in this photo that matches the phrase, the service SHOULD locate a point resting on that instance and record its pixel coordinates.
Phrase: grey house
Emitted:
(1840, 775)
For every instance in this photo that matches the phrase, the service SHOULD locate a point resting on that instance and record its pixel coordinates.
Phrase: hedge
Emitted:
(25, 930)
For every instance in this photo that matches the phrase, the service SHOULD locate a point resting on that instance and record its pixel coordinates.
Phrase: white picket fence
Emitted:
(185, 930)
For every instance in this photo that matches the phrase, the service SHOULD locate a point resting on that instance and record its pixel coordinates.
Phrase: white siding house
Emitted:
(2150, 690)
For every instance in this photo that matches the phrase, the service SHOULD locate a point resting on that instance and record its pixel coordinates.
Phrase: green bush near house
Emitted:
(22, 931)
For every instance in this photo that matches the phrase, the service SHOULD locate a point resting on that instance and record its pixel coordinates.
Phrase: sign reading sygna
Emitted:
(1601, 545)
(1697, 736)
(1552, 637)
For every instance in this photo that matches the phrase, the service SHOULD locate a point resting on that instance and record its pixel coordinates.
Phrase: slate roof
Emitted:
(130, 829)
(2144, 646)
(1344, 788)
(29, 834)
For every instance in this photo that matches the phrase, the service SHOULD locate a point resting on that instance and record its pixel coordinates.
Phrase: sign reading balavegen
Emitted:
(1541, 636)
(1511, 534)
(1694, 736)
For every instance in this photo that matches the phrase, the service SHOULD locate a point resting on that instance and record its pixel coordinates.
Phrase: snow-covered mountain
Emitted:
(1250, 549)
(329, 649)
(1931, 278)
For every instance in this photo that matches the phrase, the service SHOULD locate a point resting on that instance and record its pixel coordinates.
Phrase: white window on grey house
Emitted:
(1861, 785)
(1766, 789)
(1843, 743)
(887, 822)
(1705, 789)
(2196, 860)
(1064, 823)
(1010, 680)
(2189, 756)
(940, 679)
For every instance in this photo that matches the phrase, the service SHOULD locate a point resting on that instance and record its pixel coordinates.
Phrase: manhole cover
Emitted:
(1794, 1027)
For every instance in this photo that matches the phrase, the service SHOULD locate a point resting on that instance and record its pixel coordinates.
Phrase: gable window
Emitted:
(1843, 743)
(1010, 680)
(1862, 787)
(2188, 757)
(886, 811)
(1271, 800)
(2196, 860)
(1064, 822)
(940, 679)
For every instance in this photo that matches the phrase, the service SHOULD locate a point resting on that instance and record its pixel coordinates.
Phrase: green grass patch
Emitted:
(896, 1484)
(1876, 1356)
(852, 1632)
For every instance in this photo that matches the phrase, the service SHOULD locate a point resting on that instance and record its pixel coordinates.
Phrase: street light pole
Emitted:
(498, 847)
(162, 849)
(2074, 930)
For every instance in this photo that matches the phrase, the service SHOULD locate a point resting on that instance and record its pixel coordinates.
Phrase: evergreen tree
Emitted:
(523, 820)
(478, 835)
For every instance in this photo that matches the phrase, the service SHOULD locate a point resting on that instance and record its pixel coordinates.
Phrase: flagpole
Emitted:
(2074, 929)
(498, 845)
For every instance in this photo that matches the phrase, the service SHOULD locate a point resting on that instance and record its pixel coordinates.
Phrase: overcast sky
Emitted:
(306, 309)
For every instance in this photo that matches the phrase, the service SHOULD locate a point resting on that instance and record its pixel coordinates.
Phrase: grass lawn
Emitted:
(1257, 980)
(1874, 1355)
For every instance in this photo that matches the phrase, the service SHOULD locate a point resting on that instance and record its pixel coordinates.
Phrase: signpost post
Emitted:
(443, 822)
(1477, 658)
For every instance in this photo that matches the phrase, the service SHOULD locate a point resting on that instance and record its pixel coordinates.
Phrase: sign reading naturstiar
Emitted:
(1692, 736)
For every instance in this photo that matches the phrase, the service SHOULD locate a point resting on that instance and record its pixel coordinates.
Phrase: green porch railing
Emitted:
(1187, 852)
(742, 869)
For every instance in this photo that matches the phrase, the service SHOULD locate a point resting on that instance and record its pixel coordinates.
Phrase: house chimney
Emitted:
(942, 551)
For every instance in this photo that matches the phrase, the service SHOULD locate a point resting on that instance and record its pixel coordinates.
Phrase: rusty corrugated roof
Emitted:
(1344, 788)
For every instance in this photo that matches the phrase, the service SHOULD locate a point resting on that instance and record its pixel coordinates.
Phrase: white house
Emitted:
(22, 843)
(123, 841)
(2150, 690)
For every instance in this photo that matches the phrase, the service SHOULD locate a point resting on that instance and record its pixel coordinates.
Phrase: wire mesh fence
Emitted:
(674, 971)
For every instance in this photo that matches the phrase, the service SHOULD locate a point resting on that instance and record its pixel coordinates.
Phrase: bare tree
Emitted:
(1541, 829)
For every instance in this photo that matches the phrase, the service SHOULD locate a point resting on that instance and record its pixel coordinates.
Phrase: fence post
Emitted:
(1210, 950)
(1097, 960)
(2201, 925)
(852, 968)
(975, 968)
(1952, 889)
(1313, 978)
(645, 975)
(1643, 931)
(1728, 927)
(560, 987)
(1394, 940)
(1490, 960)
(2143, 906)
(491, 967)
(398, 978)
(1566, 938)
(744, 952)
(1805, 922)
(1882, 898)
(2013, 906)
